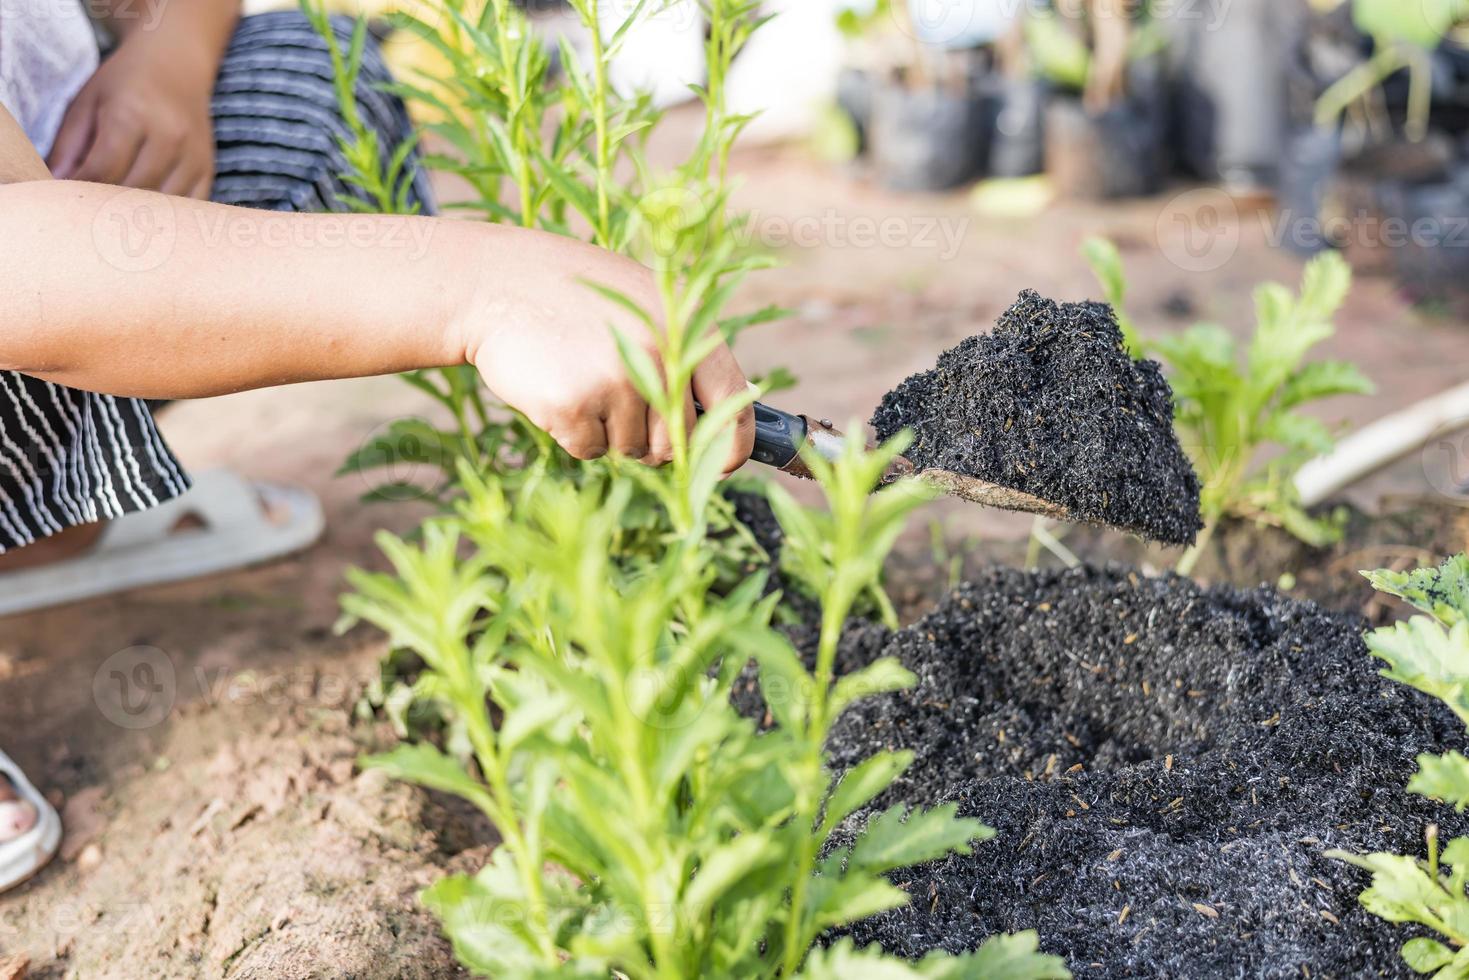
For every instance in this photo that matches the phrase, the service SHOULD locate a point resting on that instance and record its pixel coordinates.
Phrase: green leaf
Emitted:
(641, 369)
(488, 919)
(427, 766)
(1299, 432)
(897, 837)
(1444, 778)
(1323, 379)
(1422, 23)
(1325, 283)
(1013, 957)
(841, 899)
(882, 676)
(1442, 592)
(862, 783)
(726, 866)
(784, 681)
(1424, 955)
(1423, 654)
(842, 960)
(1204, 351)
(1106, 263)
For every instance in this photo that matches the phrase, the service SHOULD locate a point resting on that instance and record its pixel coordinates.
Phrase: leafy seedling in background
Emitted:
(1430, 653)
(1404, 36)
(1086, 48)
(1230, 411)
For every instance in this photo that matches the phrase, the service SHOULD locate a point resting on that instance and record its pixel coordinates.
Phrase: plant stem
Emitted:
(832, 616)
(1185, 566)
(1420, 93)
(482, 738)
(601, 93)
(1356, 83)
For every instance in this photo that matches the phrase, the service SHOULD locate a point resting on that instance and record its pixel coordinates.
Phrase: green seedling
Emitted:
(1404, 36)
(648, 830)
(1430, 653)
(576, 622)
(1232, 411)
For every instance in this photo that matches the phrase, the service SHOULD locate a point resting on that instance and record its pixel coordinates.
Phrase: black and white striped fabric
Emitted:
(70, 457)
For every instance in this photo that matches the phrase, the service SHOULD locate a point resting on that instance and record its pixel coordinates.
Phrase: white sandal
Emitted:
(30, 852)
(149, 547)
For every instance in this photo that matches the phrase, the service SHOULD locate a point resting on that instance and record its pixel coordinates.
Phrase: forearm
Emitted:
(134, 293)
(193, 32)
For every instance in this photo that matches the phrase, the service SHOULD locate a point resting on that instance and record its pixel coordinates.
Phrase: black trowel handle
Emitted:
(778, 435)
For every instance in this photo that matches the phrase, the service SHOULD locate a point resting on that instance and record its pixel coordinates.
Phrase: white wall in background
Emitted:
(962, 23)
(788, 72)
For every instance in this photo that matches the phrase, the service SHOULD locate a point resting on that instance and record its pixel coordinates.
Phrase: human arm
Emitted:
(143, 118)
(134, 293)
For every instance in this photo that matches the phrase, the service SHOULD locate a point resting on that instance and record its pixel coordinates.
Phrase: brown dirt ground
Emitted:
(237, 839)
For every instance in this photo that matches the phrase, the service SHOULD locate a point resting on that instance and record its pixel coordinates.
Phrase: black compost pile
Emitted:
(1051, 403)
(1165, 766)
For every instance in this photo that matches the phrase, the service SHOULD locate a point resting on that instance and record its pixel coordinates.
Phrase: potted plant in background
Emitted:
(1106, 118)
(927, 129)
(1380, 101)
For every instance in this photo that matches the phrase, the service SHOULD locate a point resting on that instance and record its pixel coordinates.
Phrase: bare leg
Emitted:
(68, 544)
(17, 816)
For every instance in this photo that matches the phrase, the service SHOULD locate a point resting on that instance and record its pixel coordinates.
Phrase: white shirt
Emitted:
(48, 50)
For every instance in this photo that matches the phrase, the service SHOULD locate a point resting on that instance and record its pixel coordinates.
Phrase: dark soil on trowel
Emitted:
(1165, 766)
(1051, 403)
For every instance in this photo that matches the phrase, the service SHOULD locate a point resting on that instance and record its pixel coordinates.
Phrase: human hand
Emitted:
(543, 342)
(142, 120)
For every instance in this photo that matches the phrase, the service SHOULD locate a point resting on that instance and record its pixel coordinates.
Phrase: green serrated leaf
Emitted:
(1425, 655)
(1424, 955)
(1013, 957)
(1444, 778)
(1442, 592)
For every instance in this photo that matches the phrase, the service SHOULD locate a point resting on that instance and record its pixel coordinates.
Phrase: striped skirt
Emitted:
(70, 457)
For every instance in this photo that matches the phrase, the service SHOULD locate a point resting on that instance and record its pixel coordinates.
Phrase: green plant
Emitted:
(1229, 412)
(1430, 653)
(1071, 46)
(648, 831)
(855, 20)
(1404, 36)
(493, 102)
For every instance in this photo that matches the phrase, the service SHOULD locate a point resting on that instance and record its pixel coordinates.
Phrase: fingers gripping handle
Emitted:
(778, 435)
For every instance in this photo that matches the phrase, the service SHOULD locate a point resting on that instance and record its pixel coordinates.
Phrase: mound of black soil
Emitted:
(1051, 403)
(1165, 766)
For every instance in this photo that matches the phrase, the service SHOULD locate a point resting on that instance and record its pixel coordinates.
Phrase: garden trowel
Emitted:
(780, 435)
